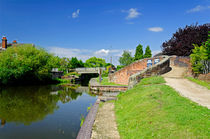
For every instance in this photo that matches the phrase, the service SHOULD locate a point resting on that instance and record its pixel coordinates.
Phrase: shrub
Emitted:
(25, 64)
(200, 58)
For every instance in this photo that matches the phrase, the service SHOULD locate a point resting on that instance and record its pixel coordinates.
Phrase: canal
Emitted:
(43, 112)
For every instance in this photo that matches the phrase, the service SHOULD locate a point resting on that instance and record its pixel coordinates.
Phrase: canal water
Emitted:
(43, 112)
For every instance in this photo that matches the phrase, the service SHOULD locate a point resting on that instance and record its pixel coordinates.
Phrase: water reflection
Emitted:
(24, 105)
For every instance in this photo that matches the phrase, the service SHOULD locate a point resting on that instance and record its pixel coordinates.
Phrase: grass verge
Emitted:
(200, 82)
(158, 111)
(152, 80)
(105, 81)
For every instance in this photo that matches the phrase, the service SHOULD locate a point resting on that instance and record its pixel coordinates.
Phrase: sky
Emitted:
(101, 28)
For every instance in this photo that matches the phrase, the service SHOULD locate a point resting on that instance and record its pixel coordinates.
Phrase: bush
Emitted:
(25, 64)
(200, 58)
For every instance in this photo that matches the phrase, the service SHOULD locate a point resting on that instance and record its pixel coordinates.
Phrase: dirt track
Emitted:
(105, 126)
(186, 88)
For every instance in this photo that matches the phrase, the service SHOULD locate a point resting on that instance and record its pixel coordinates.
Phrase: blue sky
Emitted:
(101, 28)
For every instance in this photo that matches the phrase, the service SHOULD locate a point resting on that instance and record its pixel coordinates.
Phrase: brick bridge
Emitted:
(97, 70)
(133, 73)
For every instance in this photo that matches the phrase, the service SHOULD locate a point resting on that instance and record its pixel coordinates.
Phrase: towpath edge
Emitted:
(86, 129)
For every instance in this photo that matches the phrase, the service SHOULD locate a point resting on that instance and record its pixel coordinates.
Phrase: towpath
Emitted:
(186, 88)
(105, 126)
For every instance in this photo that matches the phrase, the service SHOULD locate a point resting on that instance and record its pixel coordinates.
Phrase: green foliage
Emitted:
(200, 82)
(158, 111)
(82, 119)
(148, 52)
(200, 56)
(109, 67)
(75, 63)
(64, 64)
(72, 73)
(25, 64)
(207, 44)
(126, 58)
(95, 62)
(62, 80)
(120, 67)
(88, 108)
(139, 52)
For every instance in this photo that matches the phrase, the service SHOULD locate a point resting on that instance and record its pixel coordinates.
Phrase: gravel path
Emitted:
(186, 88)
(105, 126)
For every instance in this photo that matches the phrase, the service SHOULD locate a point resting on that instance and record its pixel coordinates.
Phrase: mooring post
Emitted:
(100, 72)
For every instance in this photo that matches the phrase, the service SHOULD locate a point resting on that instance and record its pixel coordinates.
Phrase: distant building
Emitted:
(4, 45)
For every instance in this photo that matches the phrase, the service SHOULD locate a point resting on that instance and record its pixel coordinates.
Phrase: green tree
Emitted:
(120, 67)
(64, 64)
(148, 52)
(139, 52)
(126, 58)
(207, 44)
(25, 64)
(200, 58)
(75, 63)
(95, 62)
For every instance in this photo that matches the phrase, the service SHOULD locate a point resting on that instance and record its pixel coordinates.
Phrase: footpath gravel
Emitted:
(186, 88)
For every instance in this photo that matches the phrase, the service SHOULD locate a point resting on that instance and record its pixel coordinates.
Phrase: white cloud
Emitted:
(198, 8)
(132, 13)
(76, 14)
(102, 52)
(155, 29)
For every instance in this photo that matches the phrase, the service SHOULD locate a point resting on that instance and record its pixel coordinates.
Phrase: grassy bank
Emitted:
(105, 81)
(156, 110)
(200, 82)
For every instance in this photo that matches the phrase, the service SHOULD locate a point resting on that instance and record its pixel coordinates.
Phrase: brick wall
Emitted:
(158, 69)
(122, 76)
(205, 77)
(181, 61)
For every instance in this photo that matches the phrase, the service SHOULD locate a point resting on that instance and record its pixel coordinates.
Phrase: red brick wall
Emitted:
(122, 76)
(205, 77)
(181, 62)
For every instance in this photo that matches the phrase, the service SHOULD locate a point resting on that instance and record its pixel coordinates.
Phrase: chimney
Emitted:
(4, 43)
(14, 42)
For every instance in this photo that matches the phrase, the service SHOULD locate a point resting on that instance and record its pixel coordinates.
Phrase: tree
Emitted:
(148, 52)
(95, 62)
(181, 43)
(64, 64)
(25, 64)
(126, 58)
(139, 52)
(200, 58)
(75, 63)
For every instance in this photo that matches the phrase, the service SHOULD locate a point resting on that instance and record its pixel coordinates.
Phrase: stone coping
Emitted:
(110, 86)
(86, 129)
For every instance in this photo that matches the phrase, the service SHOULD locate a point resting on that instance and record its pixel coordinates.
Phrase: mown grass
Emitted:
(200, 82)
(152, 80)
(158, 111)
(105, 81)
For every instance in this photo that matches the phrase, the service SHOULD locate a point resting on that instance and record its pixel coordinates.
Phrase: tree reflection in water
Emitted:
(24, 105)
